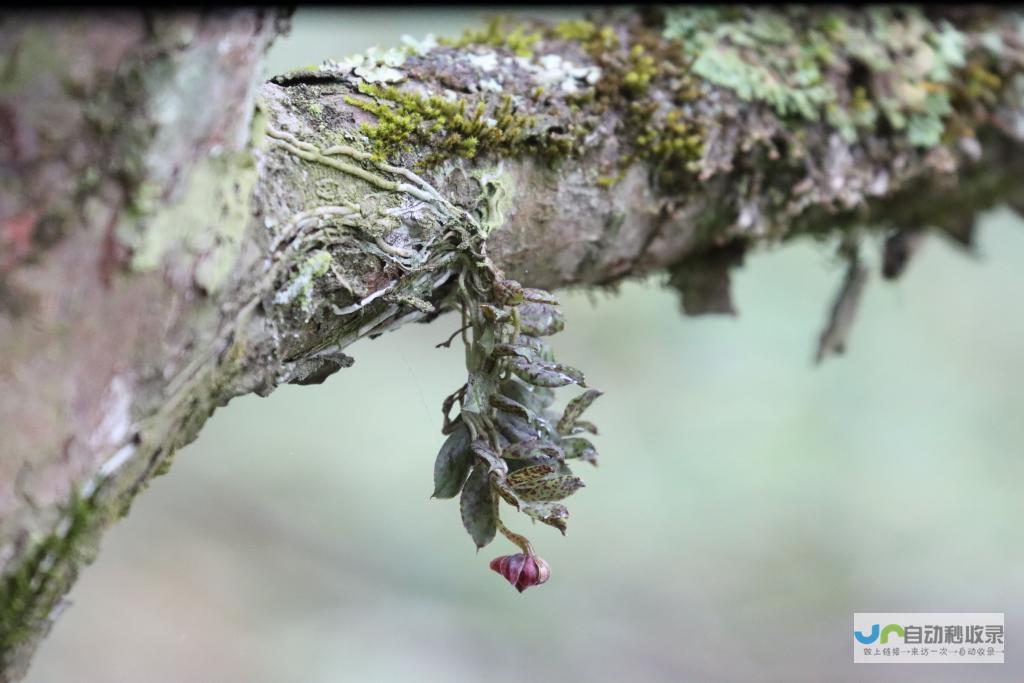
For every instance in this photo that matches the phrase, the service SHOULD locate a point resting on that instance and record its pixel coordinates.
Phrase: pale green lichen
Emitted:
(499, 191)
(785, 58)
(204, 227)
(300, 289)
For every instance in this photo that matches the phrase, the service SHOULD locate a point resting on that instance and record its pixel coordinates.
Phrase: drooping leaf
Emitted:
(575, 409)
(540, 320)
(479, 507)
(552, 514)
(452, 464)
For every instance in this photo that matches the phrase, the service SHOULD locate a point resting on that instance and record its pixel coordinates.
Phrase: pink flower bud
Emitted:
(522, 571)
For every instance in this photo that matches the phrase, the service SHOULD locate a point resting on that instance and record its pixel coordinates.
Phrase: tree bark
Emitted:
(174, 234)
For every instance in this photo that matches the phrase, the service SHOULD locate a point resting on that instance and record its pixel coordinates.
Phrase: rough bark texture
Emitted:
(174, 234)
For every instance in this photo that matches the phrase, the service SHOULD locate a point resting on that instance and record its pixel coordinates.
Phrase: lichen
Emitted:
(300, 288)
(204, 228)
(795, 61)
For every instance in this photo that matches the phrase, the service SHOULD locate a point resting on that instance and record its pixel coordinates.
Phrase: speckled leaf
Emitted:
(541, 375)
(528, 476)
(575, 409)
(540, 320)
(582, 426)
(533, 450)
(452, 464)
(552, 514)
(514, 350)
(494, 463)
(552, 487)
(534, 398)
(479, 507)
(576, 375)
(578, 447)
(506, 492)
(504, 403)
(515, 428)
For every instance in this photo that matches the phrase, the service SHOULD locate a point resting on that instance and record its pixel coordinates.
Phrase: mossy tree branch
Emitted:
(174, 234)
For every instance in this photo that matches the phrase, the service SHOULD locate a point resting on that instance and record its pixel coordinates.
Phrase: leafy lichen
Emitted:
(795, 61)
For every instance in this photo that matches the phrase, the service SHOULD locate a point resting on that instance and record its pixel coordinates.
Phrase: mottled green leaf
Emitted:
(550, 487)
(576, 375)
(540, 374)
(479, 507)
(526, 352)
(527, 476)
(534, 398)
(552, 514)
(533, 450)
(578, 447)
(515, 428)
(452, 464)
(584, 426)
(540, 320)
(541, 349)
(575, 409)
(507, 405)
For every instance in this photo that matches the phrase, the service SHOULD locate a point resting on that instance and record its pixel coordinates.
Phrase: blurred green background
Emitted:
(746, 505)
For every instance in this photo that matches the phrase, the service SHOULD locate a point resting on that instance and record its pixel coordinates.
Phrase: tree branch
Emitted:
(164, 249)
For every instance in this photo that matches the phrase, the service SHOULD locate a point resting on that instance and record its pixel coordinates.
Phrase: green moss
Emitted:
(28, 595)
(641, 69)
(518, 39)
(449, 128)
(671, 146)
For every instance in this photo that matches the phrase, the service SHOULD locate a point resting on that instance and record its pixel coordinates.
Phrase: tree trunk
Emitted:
(174, 234)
